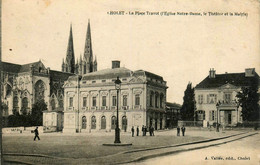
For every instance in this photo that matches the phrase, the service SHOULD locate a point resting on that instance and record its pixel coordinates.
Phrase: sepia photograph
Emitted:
(130, 82)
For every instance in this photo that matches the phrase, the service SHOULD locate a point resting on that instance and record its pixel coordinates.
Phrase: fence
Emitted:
(190, 123)
(15, 130)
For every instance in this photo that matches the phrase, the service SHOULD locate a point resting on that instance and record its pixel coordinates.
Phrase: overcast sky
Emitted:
(179, 48)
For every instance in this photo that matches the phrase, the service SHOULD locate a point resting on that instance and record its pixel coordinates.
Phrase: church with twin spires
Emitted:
(83, 66)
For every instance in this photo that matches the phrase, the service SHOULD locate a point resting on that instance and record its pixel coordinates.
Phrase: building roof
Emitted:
(107, 74)
(236, 79)
(16, 68)
(148, 74)
(56, 75)
(9, 67)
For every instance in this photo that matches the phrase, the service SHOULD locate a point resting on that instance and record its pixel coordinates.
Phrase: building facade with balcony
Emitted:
(221, 89)
(91, 100)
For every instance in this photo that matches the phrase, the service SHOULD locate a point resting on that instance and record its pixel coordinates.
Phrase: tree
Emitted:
(188, 106)
(37, 112)
(4, 108)
(248, 99)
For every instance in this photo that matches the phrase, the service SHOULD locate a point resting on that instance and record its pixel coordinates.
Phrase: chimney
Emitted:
(212, 73)
(115, 64)
(249, 72)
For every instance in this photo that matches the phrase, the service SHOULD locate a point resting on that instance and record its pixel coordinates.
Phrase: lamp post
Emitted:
(217, 127)
(117, 131)
(237, 104)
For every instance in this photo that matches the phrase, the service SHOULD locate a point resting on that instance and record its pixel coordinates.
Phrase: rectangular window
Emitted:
(212, 99)
(104, 101)
(125, 100)
(94, 101)
(93, 82)
(227, 97)
(200, 99)
(212, 115)
(103, 80)
(71, 102)
(84, 101)
(156, 101)
(137, 99)
(114, 101)
(151, 100)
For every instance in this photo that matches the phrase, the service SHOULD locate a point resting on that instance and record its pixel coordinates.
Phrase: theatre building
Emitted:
(216, 97)
(91, 100)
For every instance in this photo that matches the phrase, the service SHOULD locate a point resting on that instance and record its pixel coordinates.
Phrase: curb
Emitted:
(182, 150)
(138, 150)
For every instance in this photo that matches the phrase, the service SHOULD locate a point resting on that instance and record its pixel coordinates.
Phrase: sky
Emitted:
(180, 48)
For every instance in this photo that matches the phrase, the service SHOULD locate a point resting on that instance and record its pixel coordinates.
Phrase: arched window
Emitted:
(8, 90)
(93, 122)
(124, 123)
(53, 104)
(103, 122)
(113, 122)
(24, 105)
(161, 100)
(137, 99)
(15, 102)
(84, 122)
(39, 90)
(25, 102)
(151, 98)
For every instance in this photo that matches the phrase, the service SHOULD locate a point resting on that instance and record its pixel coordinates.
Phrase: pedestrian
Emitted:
(133, 131)
(137, 131)
(36, 132)
(152, 131)
(183, 130)
(143, 129)
(178, 131)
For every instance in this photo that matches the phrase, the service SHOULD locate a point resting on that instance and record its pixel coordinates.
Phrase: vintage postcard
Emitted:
(130, 82)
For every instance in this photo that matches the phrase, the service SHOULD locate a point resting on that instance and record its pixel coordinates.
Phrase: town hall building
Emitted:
(91, 100)
(216, 97)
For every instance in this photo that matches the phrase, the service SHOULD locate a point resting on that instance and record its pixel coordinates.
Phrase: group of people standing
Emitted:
(144, 130)
(182, 129)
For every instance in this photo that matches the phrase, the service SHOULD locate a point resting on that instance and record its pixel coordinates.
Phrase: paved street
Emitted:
(57, 148)
(245, 151)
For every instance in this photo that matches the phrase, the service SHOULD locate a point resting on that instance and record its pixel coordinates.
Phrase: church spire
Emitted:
(70, 58)
(88, 54)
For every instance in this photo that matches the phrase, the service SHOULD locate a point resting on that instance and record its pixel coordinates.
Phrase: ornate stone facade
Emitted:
(90, 101)
(24, 85)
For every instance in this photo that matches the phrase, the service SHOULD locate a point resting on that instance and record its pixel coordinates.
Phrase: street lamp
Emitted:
(217, 105)
(117, 131)
(237, 104)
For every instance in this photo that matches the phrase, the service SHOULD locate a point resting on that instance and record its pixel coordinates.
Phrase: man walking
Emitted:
(152, 129)
(133, 131)
(178, 131)
(137, 131)
(143, 130)
(183, 130)
(36, 132)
